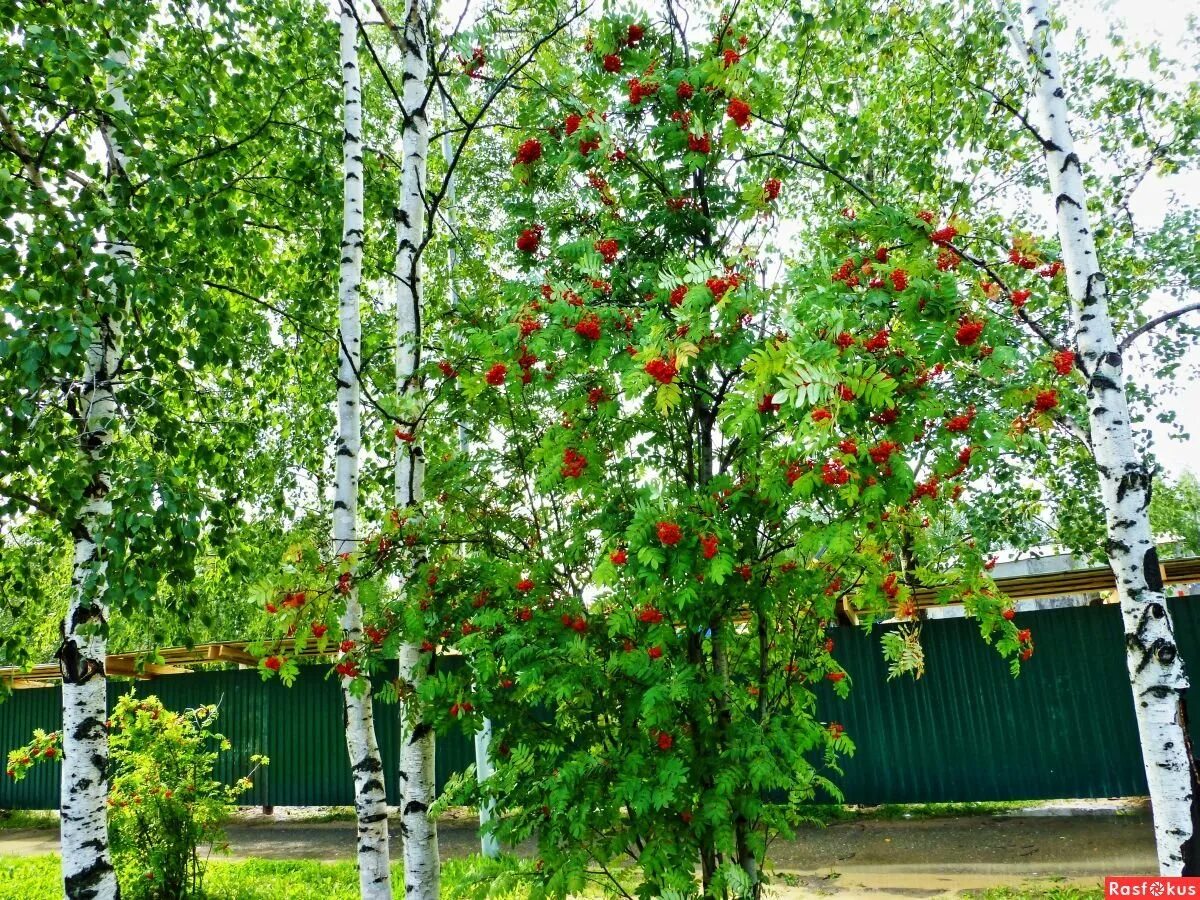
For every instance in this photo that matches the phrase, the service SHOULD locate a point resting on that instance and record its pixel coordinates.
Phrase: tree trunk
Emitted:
(417, 785)
(370, 798)
(86, 863)
(1156, 671)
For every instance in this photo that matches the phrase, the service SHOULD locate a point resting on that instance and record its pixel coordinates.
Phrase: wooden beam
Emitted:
(116, 665)
(226, 653)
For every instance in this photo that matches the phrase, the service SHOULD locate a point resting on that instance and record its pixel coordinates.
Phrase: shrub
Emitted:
(164, 799)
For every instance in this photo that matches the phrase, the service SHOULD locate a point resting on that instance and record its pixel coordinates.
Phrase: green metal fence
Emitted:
(966, 731)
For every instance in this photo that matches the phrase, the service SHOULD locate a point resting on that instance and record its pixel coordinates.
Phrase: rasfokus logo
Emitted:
(1150, 886)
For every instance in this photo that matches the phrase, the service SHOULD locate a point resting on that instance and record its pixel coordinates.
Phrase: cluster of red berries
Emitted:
(576, 624)
(1019, 298)
(649, 616)
(589, 327)
(890, 586)
(669, 534)
(739, 111)
(899, 280)
(771, 189)
(618, 557)
(948, 260)
(1064, 362)
(944, 235)
(968, 332)
(834, 473)
(525, 585)
(612, 63)
(607, 248)
(847, 272)
(708, 546)
(960, 423)
(677, 295)
(496, 374)
(882, 452)
(640, 90)
(767, 404)
(662, 370)
(928, 488)
(530, 239)
(1017, 258)
(574, 463)
(877, 342)
(721, 286)
(1045, 400)
(529, 152)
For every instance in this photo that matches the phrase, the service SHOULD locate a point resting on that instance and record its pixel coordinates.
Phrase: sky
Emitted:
(1165, 22)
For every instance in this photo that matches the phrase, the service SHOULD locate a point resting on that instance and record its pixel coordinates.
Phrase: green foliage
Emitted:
(1175, 515)
(166, 806)
(689, 469)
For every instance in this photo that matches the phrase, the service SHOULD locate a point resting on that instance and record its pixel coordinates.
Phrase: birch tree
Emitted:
(1156, 671)
(86, 864)
(417, 776)
(366, 764)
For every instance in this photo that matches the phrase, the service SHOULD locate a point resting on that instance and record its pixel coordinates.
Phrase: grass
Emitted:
(26, 818)
(37, 878)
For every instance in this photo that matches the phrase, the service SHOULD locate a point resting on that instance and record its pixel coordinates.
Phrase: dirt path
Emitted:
(879, 859)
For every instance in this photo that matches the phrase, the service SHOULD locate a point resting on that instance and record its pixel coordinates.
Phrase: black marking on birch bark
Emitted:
(420, 733)
(74, 667)
(1064, 198)
(1104, 382)
(344, 451)
(373, 784)
(1072, 158)
(1152, 572)
(414, 806)
(340, 504)
(368, 764)
(81, 885)
(373, 818)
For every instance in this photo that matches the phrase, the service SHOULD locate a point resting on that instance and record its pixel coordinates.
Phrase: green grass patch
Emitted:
(37, 878)
(27, 818)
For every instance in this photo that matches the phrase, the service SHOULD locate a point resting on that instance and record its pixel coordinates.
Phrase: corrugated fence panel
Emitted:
(965, 731)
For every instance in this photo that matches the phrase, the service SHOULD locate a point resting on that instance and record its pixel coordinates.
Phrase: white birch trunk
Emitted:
(422, 867)
(488, 844)
(366, 764)
(1156, 671)
(86, 863)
